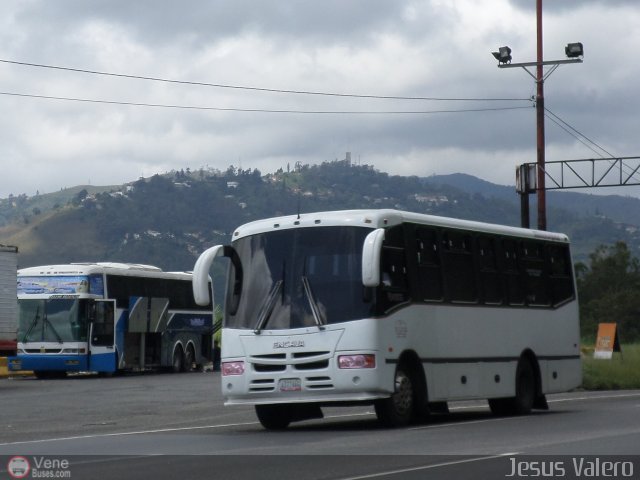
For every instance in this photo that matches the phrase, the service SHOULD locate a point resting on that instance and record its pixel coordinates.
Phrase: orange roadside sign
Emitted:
(606, 341)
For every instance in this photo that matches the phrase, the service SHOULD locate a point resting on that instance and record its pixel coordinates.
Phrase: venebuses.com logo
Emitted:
(38, 467)
(18, 467)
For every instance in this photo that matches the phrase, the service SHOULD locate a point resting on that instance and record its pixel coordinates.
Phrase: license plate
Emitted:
(290, 385)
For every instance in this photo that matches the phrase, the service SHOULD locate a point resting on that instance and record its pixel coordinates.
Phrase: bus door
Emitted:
(102, 351)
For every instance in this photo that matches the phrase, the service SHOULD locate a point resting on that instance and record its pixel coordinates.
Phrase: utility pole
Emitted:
(574, 52)
(540, 184)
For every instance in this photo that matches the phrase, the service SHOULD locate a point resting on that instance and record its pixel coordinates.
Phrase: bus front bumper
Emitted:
(313, 387)
(48, 362)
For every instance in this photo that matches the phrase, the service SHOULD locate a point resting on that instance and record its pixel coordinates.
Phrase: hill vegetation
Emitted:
(168, 220)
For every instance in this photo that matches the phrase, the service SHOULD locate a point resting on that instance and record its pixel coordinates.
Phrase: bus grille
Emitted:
(306, 362)
(262, 367)
(47, 350)
(278, 362)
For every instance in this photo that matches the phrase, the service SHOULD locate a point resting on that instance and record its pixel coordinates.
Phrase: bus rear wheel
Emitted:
(525, 397)
(397, 410)
(274, 417)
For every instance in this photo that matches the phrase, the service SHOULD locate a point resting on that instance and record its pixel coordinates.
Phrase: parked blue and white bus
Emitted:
(108, 317)
(400, 310)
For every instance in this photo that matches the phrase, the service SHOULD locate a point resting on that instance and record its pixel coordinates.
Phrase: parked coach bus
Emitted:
(401, 310)
(107, 317)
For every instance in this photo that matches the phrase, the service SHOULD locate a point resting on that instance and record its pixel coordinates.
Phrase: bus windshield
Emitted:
(56, 320)
(299, 277)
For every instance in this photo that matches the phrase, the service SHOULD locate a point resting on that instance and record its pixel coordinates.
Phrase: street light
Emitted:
(503, 55)
(574, 52)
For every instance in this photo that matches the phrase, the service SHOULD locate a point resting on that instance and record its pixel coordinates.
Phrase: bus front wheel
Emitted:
(397, 410)
(189, 359)
(49, 374)
(274, 417)
(177, 364)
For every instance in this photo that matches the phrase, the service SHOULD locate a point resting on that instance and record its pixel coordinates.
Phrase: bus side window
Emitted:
(510, 272)
(490, 284)
(535, 276)
(560, 274)
(394, 283)
(459, 269)
(394, 269)
(103, 322)
(429, 265)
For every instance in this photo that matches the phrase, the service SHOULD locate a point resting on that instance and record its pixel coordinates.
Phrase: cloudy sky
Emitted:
(436, 49)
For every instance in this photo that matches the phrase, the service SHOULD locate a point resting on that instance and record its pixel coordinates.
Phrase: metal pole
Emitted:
(540, 190)
(524, 210)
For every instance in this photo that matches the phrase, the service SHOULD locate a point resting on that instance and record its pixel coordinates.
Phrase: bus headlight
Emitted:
(74, 351)
(232, 368)
(357, 361)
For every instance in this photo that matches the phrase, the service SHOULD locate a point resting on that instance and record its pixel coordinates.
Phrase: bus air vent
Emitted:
(312, 365)
(264, 367)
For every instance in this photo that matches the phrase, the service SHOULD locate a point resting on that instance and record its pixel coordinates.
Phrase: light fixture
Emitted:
(503, 55)
(574, 50)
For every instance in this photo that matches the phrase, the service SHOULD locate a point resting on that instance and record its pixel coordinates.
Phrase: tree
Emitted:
(609, 291)
(79, 197)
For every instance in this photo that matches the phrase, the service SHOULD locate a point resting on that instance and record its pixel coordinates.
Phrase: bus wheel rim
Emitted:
(403, 398)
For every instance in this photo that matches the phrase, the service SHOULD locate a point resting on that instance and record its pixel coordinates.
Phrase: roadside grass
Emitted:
(622, 372)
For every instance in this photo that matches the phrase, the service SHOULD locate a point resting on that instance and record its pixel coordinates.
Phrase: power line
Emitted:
(261, 110)
(580, 136)
(579, 133)
(259, 89)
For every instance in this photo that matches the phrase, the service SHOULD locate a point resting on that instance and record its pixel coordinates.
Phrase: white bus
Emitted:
(402, 310)
(108, 317)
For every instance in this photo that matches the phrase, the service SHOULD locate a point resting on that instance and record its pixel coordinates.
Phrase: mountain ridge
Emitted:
(167, 220)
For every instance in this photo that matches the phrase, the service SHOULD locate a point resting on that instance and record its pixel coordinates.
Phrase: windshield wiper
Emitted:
(47, 322)
(34, 322)
(267, 307)
(315, 310)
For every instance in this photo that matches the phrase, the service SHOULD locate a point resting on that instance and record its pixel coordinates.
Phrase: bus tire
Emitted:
(525, 397)
(177, 363)
(189, 358)
(525, 388)
(274, 417)
(49, 374)
(398, 409)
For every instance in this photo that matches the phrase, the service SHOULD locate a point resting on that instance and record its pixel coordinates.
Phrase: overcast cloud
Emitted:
(431, 48)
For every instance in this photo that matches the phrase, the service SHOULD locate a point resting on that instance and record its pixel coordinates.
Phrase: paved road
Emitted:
(118, 426)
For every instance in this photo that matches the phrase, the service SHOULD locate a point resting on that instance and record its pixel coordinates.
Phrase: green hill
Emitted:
(168, 220)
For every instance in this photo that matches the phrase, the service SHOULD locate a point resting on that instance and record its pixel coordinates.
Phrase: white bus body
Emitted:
(106, 317)
(402, 310)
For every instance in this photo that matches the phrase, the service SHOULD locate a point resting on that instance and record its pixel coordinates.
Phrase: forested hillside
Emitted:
(167, 220)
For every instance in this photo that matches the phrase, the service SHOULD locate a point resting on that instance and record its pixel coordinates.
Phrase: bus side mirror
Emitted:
(371, 258)
(200, 279)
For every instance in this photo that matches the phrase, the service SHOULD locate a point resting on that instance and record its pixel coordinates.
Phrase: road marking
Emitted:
(204, 427)
(595, 397)
(161, 430)
(557, 400)
(122, 434)
(427, 467)
(454, 424)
